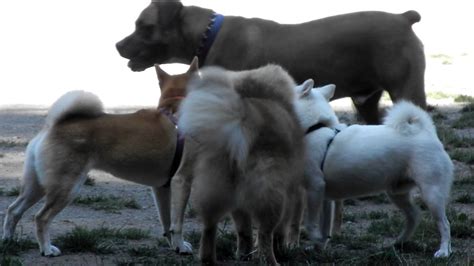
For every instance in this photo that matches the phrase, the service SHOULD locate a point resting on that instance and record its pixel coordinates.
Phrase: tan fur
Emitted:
(138, 147)
(250, 159)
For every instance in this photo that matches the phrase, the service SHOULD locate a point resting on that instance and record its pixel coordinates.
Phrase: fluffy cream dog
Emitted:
(394, 158)
(250, 159)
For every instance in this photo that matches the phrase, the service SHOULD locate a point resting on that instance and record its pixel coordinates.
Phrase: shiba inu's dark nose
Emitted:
(123, 48)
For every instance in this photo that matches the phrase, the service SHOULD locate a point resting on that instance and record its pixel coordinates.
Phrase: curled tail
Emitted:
(223, 109)
(409, 119)
(412, 16)
(213, 113)
(74, 103)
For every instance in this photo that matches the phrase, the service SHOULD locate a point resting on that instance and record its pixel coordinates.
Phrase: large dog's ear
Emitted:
(328, 91)
(167, 11)
(194, 66)
(162, 75)
(304, 89)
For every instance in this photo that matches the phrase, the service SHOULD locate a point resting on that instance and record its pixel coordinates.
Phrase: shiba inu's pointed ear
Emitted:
(162, 75)
(328, 91)
(304, 89)
(194, 66)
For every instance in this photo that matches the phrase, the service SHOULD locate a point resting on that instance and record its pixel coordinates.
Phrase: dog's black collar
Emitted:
(314, 128)
(319, 126)
(209, 36)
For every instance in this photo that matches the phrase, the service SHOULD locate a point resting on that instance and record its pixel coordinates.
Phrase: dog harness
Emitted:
(178, 154)
(316, 127)
(208, 37)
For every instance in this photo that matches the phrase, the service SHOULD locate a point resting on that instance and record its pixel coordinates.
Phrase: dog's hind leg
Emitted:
(368, 108)
(162, 198)
(410, 211)
(58, 197)
(435, 198)
(31, 192)
(243, 227)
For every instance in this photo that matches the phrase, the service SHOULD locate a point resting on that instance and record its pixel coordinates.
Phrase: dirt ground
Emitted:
(18, 125)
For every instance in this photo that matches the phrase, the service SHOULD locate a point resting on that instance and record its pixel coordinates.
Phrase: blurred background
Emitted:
(52, 46)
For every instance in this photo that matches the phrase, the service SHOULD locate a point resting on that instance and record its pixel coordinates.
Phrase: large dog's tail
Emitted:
(74, 103)
(409, 119)
(221, 110)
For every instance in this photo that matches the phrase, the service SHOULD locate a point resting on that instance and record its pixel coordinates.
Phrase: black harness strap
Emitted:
(178, 154)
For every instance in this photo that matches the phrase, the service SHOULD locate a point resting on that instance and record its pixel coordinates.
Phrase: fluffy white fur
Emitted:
(74, 102)
(395, 157)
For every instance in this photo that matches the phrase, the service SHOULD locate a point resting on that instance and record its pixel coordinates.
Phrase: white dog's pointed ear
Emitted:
(328, 91)
(305, 88)
(194, 66)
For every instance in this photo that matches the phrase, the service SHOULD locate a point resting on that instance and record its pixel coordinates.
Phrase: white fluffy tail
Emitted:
(213, 113)
(74, 103)
(409, 119)
(221, 110)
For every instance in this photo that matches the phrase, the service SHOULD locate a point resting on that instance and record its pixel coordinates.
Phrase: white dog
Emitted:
(394, 158)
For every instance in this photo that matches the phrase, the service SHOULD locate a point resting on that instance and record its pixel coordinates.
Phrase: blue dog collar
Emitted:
(209, 37)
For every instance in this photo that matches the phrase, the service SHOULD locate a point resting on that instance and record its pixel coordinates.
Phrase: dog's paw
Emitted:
(185, 248)
(442, 253)
(52, 252)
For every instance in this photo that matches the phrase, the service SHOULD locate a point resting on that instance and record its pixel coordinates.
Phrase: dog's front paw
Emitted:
(51, 252)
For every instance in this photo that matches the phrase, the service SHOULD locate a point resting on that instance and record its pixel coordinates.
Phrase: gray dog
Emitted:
(361, 53)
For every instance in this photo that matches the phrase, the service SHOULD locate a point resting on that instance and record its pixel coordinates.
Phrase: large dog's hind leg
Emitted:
(368, 108)
(243, 226)
(162, 198)
(412, 215)
(31, 192)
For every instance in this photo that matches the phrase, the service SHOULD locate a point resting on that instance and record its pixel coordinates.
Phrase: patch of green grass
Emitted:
(461, 225)
(15, 246)
(12, 144)
(438, 95)
(108, 203)
(378, 199)
(390, 227)
(469, 180)
(190, 212)
(98, 240)
(464, 98)
(445, 59)
(465, 198)
(465, 156)
(448, 136)
(465, 121)
(13, 192)
(349, 217)
(468, 108)
(374, 215)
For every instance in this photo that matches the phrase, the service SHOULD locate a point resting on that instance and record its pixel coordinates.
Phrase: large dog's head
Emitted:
(157, 37)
